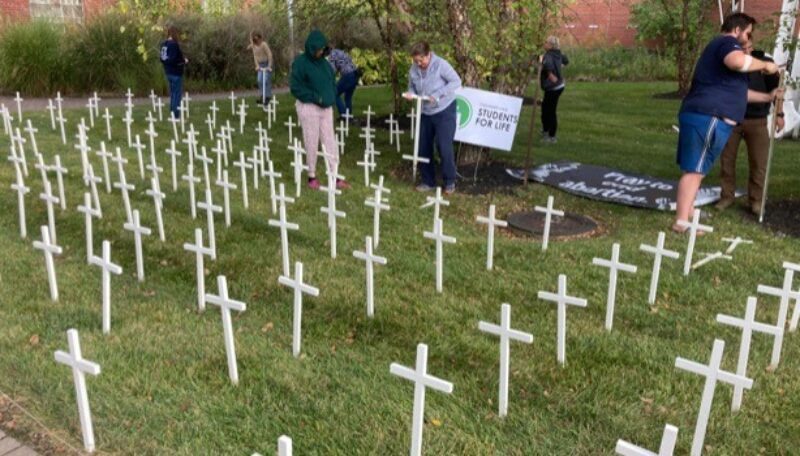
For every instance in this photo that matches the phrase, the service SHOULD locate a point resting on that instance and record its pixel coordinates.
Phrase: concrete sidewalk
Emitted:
(12, 447)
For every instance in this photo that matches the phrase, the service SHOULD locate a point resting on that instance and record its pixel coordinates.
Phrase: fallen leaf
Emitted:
(163, 262)
(34, 340)
(267, 327)
(150, 293)
(436, 422)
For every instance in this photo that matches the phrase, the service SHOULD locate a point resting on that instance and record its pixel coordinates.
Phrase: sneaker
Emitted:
(450, 189)
(342, 184)
(425, 188)
(549, 139)
(313, 183)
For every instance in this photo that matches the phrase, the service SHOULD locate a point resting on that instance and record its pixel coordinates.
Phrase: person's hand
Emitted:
(430, 99)
(257, 68)
(770, 68)
(408, 95)
(780, 122)
(185, 60)
(269, 69)
(777, 94)
(541, 58)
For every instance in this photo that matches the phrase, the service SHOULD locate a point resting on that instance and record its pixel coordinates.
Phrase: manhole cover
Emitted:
(568, 226)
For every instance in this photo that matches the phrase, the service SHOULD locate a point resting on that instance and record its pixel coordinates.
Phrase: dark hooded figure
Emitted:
(313, 84)
(553, 85)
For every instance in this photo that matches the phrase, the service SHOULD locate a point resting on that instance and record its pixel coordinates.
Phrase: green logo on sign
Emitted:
(464, 111)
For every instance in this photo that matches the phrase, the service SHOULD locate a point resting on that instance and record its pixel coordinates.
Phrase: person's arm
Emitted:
(269, 56)
(452, 82)
(298, 86)
(255, 59)
(737, 60)
(411, 89)
(763, 97)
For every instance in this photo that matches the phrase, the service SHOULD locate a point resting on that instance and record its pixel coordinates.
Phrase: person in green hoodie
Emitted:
(313, 84)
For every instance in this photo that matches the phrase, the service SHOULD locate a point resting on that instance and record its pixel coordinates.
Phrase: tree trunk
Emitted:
(683, 56)
(462, 31)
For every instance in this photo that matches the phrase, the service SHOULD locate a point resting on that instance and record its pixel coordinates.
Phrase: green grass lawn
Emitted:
(164, 387)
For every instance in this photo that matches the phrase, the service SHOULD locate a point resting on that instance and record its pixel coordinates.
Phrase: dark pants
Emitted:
(549, 105)
(175, 94)
(347, 85)
(441, 129)
(756, 135)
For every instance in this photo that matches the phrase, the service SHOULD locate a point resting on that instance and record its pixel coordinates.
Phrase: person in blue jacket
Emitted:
(174, 62)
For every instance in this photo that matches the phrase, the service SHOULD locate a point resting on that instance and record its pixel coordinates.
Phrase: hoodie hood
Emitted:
(315, 41)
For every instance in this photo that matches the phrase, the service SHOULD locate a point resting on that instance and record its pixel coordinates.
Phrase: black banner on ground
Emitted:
(613, 186)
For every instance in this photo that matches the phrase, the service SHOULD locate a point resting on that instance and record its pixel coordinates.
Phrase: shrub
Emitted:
(30, 58)
(619, 64)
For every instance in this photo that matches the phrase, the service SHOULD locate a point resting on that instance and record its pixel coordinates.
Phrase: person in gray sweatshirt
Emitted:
(435, 80)
(552, 82)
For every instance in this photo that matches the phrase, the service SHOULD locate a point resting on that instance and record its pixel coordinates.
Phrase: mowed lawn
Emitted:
(164, 386)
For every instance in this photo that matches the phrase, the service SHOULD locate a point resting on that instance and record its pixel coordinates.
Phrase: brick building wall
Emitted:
(23, 10)
(593, 23)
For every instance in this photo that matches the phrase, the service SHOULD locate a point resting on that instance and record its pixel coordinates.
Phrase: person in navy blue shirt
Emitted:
(174, 62)
(716, 102)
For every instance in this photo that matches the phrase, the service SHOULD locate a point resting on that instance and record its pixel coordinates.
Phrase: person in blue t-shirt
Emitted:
(716, 102)
(173, 60)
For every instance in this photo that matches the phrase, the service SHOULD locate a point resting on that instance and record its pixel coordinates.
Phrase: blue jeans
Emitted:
(264, 82)
(347, 85)
(175, 93)
(441, 129)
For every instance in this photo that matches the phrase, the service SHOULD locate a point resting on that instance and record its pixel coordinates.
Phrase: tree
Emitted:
(681, 26)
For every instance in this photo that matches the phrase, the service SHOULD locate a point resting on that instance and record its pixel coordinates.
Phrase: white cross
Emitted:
(562, 300)
(151, 134)
(549, 212)
(254, 163)
(158, 202)
(123, 185)
(108, 268)
(242, 116)
(214, 110)
(284, 226)
(614, 266)
(734, 242)
(91, 180)
(436, 202)
(391, 123)
(191, 141)
(153, 97)
(709, 257)
(347, 116)
(20, 141)
(107, 115)
(187, 99)
(274, 103)
(291, 125)
(96, 101)
(190, 178)
(52, 108)
(228, 132)
(49, 249)
(90, 106)
(80, 367)
(21, 190)
(211, 126)
(693, 228)
(370, 259)
(272, 175)
(129, 101)
(50, 200)
(104, 156)
(232, 97)
(270, 110)
(209, 206)
(206, 161)
(184, 113)
(199, 251)
(138, 230)
(61, 121)
(31, 130)
(6, 118)
(128, 119)
(330, 209)
(160, 108)
(88, 212)
(226, 305)
(369, 112)
(139, 147)
(60, 172)
(219, 150)
(491, 222)
(415, 123)
(243, 167)
(226, 195)
(174, 121)
(748, 325)
(438, 236)
(667, 447)
(299, 167)
(284, 446)
(506, 335)
(368, 166)
(422, 380)
(377, 204)
(659, 251)
(300, 288)
(19, 99)
(712, 373)
(173, 153)
(340, 139)
(785, 294)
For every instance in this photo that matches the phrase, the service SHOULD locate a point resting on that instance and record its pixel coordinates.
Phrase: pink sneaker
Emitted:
(313, 183)
(342, 184)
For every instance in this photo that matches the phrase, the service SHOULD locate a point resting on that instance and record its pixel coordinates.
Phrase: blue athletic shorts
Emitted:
(700, 141)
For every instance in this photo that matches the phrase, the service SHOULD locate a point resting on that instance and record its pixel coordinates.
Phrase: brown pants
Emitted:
(756, 135)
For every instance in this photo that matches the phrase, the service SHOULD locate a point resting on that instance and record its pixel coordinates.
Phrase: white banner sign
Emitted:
(487, 119)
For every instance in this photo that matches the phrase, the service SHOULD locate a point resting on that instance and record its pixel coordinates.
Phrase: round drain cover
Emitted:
(568, 226)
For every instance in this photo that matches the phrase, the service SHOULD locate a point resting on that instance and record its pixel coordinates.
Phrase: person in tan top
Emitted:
(262, 56)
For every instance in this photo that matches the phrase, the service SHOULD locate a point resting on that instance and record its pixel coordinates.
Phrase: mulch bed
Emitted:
(492, 178)
(783, 217)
